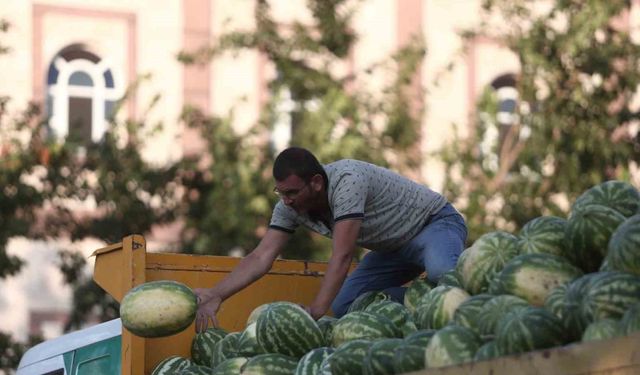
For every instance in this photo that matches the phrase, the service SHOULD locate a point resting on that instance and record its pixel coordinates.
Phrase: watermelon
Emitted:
(285, 328)
(203, 343)
(248, 342)
(349, 357)
(195, 370)
(326, 326)
(488, 350)
(451, 345)
(599, 296)
(588, 232)
(255, 313)
(419, 287)
(544, 234)
(601, 330)
(231, 366)
(494, 310)
(479, 263)
(630, 321)
(421, 337)
(379, 358)
(271, 364)
(618, 195)
(555, 299)
(436, 308)
(158, 308)
(408, 357)
(450, 278)
(528, 329)
(363, 325)
(310, 363)
(468, 311)
(533, 276)
(394, 311)
(225, 349)
(623, 250)
(171, 365)
(367, 298)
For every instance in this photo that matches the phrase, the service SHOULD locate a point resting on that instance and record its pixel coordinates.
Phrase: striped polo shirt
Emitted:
(393, 208)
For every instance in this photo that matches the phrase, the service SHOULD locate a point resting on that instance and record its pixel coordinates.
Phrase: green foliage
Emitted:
(574, 118)
(330, 115)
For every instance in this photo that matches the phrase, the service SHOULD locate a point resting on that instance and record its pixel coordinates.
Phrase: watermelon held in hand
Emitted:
(158, 308)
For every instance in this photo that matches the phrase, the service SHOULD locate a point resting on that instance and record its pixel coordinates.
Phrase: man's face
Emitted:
(296, 193)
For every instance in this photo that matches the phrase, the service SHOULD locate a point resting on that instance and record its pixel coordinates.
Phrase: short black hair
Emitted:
(298, 161)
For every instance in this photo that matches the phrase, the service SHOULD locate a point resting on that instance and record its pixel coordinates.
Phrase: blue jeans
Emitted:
(435, 250)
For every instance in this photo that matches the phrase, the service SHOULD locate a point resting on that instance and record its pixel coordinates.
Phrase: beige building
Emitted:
(77, 57)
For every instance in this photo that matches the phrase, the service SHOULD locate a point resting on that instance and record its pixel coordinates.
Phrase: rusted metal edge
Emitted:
(176, 267)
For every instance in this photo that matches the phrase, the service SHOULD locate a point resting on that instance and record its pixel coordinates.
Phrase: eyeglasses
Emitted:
(289, 194)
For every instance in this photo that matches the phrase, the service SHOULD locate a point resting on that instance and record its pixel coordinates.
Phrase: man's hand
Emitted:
(315, 312)
(208, 305)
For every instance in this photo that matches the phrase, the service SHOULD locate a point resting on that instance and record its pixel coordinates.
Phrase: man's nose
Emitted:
(286, 200)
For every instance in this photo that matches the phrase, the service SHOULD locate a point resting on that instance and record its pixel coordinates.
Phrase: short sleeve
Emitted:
(349, 196)
(283, 218)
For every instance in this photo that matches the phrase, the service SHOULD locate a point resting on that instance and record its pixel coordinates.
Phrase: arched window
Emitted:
(81, 93)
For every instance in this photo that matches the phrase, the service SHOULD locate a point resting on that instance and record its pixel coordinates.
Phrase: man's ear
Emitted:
(317, 182)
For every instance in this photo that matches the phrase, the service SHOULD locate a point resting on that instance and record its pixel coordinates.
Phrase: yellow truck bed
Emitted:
(120, 267)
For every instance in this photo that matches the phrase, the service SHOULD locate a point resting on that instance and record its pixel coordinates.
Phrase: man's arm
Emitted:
(251, 268)
(345, 234)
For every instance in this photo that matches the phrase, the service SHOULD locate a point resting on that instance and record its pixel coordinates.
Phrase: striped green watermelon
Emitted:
(379, 358)
(367, 298)
(195, 370)
(437, 307)
(270, 364)
(528, 329)
(394, 311)
(544, 234)
(255, 313)
(468, 311)
(326, 326)
(171, 365)
(285, 328)
(451, 345)
(618, 195)
(602, 329)
(408, 357)
(421, 337)
(203, 343)
(533, 276)
(488, 350)
(555, 300)
(225, 348)
(599, 296)
(630, 321)
(348, 359)
(158, 308)
(587, 235)
(248, 342)
(310, 363)
(231, 366)
(494, 310)
(479, 264)
(450, 278)
(623, 250)
(363, 325)
(419, 287)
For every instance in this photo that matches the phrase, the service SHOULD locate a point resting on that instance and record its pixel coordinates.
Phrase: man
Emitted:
(408, 228)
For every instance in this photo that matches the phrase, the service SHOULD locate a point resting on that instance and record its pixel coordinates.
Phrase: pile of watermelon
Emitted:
(557, 281)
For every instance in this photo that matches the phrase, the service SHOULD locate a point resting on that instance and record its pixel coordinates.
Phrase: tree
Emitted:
(326, 117)
(576, 124)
